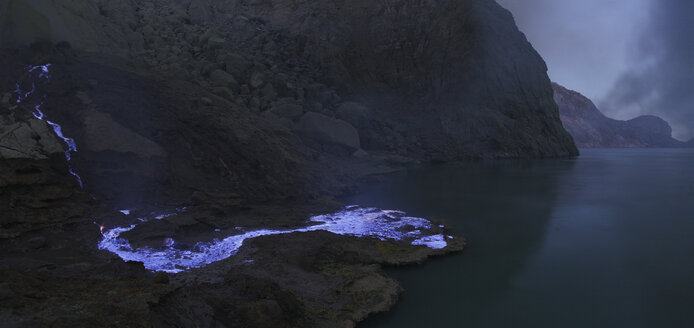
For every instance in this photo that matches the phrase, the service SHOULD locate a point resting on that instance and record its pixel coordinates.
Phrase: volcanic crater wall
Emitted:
(332, 90)
(454, 78)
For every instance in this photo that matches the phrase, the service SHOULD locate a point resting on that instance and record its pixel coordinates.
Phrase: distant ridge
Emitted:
(590, 128)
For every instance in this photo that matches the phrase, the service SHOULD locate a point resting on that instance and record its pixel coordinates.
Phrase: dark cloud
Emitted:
(584, 42)
(661, 76)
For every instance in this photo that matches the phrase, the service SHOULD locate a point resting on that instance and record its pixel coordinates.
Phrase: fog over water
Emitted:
(631, 57)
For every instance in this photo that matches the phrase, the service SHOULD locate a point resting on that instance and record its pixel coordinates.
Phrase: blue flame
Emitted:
(21, 95)
(43, 73)
(38, 114)
(351, 221)
(170, 257)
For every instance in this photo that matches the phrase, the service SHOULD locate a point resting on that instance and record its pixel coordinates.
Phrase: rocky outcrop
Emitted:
(442, 86)
(324, 129)
(31, 140)
(76, 22)
(251, 114)
(592, 129)
(102, 133)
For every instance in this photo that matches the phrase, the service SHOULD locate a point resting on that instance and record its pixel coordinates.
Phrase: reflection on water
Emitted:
(602, 240)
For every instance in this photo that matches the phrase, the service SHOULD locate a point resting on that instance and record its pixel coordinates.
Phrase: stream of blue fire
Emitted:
(44, 73)
(351, 221)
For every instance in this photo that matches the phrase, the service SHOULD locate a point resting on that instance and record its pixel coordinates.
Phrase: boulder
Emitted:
(354, 113)
(215, 42)
(287, 108)
(319, 93)
(234, 64)
(105, 134)
(257, 80)
(223, 92)
(32, 140)
(224, 79)
(269, 92)
(326, 129)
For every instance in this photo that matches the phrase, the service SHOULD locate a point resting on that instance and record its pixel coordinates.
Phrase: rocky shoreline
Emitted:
(250, 114)
(53, 275)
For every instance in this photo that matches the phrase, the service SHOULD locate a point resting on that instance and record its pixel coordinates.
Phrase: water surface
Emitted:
(603, 240)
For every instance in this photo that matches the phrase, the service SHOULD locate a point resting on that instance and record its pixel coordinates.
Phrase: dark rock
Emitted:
(235, 64)
(354, 113)
(215, 42)
(224, 79)
(257, 80)
(6, 292)
(287, 108)
(269, 92)
(206, 101)
(73, 269)
(161, 278)
(36, 242)
(105, 134)
(325, 129)
(360, 153)
(224, 92)
(319, 93)
(33, 139)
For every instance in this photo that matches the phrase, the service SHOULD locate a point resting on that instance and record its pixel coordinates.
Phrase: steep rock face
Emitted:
(438, 71)
(76, 22)
(591, 129)
(438, 74)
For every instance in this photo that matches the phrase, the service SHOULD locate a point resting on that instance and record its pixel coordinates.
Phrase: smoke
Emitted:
(660, 80)
(584, 42)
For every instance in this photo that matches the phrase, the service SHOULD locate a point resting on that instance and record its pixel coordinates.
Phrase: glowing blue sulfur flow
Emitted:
(38, 114)
(351, 221)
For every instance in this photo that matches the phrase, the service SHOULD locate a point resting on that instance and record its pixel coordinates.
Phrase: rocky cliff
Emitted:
(251, 114)
(592, 129)
(436, 76)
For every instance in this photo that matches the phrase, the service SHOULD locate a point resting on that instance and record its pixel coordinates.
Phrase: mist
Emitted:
(632, 57)
(584, 43)
(661, 76)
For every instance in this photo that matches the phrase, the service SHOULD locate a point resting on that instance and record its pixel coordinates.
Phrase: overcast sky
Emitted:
(631, 57)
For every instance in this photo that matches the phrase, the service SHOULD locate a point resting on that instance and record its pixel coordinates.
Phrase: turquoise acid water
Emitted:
(603, 240)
